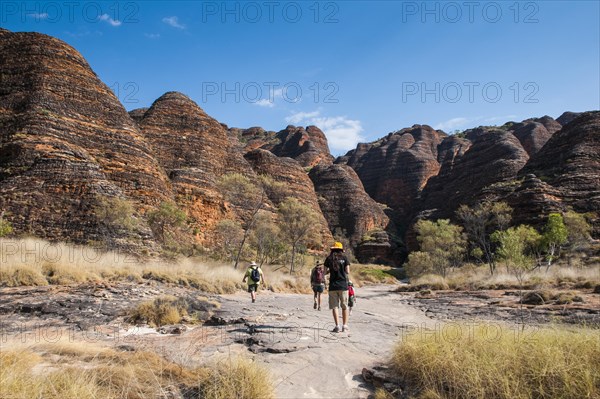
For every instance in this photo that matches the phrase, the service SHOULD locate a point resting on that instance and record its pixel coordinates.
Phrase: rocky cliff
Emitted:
(533, 133)
(396, 168)
(347, 208)
(494, 156)
(307, 145)
(350, 212)
(69, 147)
(195, 151)
(567, 117)
(294, 182)
(66, 143)
(569, 164)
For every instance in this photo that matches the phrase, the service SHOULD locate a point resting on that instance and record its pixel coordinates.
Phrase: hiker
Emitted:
(254, 275)
(338, 268)
(317, 281)
(351, 297)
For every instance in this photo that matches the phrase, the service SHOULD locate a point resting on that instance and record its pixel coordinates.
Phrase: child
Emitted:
(317, 281)
(351, 297)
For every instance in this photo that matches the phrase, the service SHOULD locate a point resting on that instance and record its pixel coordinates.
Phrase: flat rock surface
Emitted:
(281, 331)
(504, 306)
(306, 360)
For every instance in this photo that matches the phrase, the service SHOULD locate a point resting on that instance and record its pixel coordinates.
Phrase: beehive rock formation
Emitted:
(66, 143)
(350, 211)
(195, 152)
(395, 169)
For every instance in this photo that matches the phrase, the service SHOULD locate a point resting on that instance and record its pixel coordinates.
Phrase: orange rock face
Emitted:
(194, 150)
(68, 145)
(296, 183)
(66, 142)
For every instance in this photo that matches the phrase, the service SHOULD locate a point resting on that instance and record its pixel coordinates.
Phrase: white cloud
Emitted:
(453, 124)
(37, 15)
(265, 103)
(112, 22)
(174, 22)
(274, 95)
(502, 119)
(342, 133)
(301, 116)
(277, 93)
(467, 123)
(152, 35)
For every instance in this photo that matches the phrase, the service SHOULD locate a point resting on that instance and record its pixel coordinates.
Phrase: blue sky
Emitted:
(357, 69)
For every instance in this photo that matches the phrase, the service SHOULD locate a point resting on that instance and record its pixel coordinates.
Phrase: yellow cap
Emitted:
(337, 245)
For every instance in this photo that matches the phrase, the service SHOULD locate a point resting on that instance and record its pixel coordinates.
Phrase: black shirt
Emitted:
(336, 263)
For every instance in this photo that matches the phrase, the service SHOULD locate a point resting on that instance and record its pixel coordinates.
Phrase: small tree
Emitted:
(115, 213)
(275, 190)
(266, 239)
(299, 224)
(578, 232)
(443, 241)
(481, 221)
(5, 226)
(249, 197)
(419, 263)
(555, 235)
(165, 219)
(229, 234)
(515, 247)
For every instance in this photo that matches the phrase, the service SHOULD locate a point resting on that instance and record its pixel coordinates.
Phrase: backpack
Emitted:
(319, 275)
(255, 274)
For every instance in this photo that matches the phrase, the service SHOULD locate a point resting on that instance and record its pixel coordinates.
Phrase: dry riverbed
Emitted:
(281, 331)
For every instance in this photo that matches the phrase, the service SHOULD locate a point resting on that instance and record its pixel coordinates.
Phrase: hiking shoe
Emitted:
(345, 328)
(315, 305)
(319, 308)
(336, 329)
(254, 300)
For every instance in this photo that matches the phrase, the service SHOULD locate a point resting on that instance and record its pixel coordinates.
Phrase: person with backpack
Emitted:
(351, 296)
(338, 268)
(317, 281)
(254, 275)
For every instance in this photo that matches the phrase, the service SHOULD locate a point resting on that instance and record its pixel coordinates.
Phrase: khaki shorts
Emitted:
(338, 299)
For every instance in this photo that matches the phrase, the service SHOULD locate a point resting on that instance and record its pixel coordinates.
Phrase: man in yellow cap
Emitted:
(338, 268)
(254, 275)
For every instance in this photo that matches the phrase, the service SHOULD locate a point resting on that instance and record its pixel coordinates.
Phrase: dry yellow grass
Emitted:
(19, 275)
(237, 378)
(78, 370)
(470, 277)
(497, 362)
(30, 262)
(159, 312)
(381, 393)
